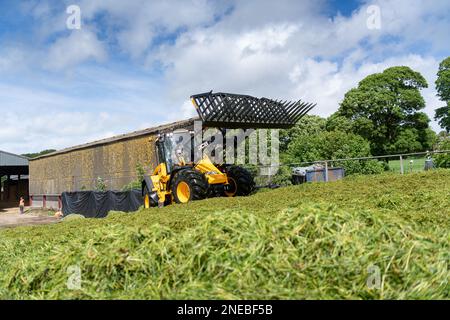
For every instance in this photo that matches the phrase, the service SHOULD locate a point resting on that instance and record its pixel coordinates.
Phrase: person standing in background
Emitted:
(22, 205)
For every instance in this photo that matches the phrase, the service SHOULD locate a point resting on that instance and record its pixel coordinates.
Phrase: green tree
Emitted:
(137, 183)
(100, 185)
(442, 114)
(38, 154)
(307, 126)
(407, 141)
(442, 160)
(335, 145)
(384, 108)
(337, 122)
(443, 135)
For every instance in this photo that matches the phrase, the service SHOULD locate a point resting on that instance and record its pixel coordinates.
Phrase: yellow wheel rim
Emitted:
(147, 202)
(183, 192)
(233, 185)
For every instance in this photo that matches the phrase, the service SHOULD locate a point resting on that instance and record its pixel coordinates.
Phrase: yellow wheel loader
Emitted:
(178, 179)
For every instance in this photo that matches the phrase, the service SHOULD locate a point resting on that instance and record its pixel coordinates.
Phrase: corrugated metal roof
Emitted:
(154, 130)
(12, 160)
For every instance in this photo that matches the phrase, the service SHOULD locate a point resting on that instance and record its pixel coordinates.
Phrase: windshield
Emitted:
(177, 149)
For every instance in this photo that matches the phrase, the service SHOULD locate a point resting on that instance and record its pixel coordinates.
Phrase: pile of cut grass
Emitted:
(315, 241)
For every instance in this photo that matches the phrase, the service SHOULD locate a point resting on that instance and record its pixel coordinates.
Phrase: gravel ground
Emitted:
(10, 217)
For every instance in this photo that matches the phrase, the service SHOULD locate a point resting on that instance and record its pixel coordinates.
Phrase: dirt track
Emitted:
(10, 217)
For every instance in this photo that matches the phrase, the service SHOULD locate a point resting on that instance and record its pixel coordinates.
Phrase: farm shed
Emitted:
(13, 178)
(114, 160)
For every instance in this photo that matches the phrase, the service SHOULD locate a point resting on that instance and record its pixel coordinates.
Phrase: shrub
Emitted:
(335, 145)
(100, 185)
(442, 160)
(283, 177)
(137, 183)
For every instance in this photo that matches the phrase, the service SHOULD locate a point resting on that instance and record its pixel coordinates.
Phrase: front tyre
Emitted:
(189, 185)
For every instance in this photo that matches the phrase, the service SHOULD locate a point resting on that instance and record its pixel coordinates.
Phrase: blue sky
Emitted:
(134, 64)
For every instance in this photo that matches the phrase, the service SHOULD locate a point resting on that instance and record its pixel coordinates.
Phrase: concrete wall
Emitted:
(79, 169)
(49, 202)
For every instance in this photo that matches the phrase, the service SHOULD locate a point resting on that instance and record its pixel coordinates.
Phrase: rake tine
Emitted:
(242, 111)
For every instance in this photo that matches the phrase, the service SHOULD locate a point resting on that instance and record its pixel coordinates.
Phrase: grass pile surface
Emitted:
(313, 241)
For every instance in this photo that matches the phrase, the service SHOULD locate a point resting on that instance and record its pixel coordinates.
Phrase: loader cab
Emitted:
(175, 148)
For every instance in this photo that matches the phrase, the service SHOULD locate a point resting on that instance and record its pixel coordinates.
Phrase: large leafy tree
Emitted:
(385, 110)
(443, 91)
(309, 125)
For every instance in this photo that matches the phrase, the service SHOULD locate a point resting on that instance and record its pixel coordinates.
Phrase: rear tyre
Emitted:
(189, 185)
(241, 182)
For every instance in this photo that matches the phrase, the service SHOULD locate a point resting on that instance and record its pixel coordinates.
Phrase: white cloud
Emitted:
(24, 133)
(11, 58)
(88, 105)
(143, 21)
(79, 46)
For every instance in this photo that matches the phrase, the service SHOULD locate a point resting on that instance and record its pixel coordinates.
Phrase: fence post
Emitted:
(401, 165)
(326, 171)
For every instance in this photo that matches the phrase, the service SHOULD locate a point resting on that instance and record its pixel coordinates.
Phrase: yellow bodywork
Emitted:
(211, 172)
(160, 179)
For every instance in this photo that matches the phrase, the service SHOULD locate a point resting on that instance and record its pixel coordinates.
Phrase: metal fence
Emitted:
(396, 163)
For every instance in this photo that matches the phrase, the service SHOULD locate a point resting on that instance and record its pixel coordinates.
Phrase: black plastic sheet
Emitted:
(93, 204)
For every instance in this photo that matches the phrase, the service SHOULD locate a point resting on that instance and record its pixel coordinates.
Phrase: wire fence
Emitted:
(396, 163)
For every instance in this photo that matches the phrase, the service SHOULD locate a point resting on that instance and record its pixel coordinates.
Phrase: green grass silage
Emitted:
(314, 241)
